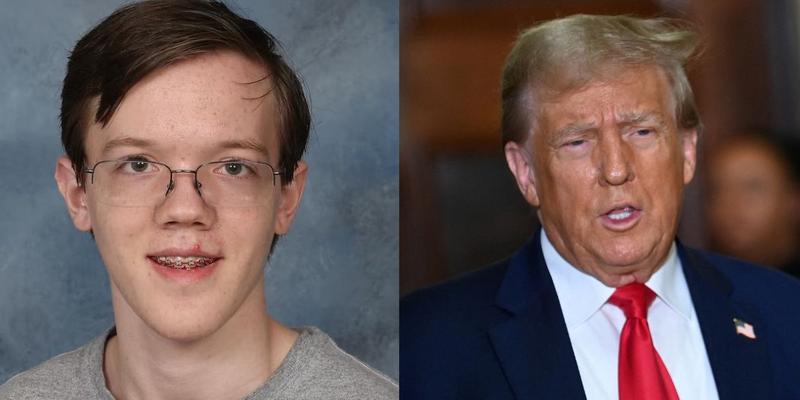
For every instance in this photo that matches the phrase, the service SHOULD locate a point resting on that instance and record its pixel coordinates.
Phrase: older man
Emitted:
(600, 131)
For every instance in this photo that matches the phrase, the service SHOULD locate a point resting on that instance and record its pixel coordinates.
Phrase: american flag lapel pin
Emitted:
(744, 329)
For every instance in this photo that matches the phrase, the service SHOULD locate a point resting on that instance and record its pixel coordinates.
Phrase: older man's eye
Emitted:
(642, 137)
(575, 148)
(575, 143)
(643, 132)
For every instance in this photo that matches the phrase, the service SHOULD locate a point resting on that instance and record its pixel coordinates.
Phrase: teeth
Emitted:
(620, 215)
(183, 262)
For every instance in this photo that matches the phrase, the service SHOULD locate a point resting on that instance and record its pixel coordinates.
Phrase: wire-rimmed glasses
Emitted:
(144, 183)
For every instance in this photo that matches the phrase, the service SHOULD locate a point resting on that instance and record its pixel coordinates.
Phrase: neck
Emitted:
(228, 364)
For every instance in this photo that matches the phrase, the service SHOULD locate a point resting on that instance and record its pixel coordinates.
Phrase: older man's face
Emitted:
(606, 167)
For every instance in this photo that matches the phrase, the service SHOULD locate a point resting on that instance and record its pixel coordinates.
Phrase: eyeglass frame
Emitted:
(197, 183)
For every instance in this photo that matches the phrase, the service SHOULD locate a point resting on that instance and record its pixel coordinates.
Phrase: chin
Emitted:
(184, 320)
(184, 330)
(180, 318)
(623, 253)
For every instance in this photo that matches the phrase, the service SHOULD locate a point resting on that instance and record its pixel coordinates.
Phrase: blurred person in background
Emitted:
(754, 200)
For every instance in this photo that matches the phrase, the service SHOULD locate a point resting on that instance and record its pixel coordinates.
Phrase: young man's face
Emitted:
(207, 108)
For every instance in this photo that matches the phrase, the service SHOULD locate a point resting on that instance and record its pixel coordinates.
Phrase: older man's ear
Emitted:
(689, 144)
(521, 165)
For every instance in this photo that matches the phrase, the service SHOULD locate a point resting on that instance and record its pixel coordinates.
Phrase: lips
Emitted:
(185, 266)
(621, 210)
(621, 217)
(620, 214)
(184, 258)
(183, 262)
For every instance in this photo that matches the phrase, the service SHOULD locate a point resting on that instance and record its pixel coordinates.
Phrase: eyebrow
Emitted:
(640, 117)
(625, 119)
(245, 145)
(128, 141)
(573, 128)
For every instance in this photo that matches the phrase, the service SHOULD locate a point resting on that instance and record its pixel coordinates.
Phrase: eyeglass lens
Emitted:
(141, 183)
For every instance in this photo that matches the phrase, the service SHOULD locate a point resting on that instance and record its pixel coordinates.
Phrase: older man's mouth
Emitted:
(621, 218)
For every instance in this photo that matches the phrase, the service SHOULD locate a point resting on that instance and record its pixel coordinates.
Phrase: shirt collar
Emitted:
(581, 295)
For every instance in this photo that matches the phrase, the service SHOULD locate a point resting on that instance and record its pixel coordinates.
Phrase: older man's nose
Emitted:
(615, 161)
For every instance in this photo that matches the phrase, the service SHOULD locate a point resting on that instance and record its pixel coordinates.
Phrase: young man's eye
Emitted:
(136, 166)
(234, 168)
(139, 166)
(238, 169)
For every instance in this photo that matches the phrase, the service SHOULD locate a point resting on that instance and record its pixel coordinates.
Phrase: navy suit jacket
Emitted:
(499, 333)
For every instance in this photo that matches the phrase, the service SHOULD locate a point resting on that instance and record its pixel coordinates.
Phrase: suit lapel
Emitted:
(533, 344)
(740, 365)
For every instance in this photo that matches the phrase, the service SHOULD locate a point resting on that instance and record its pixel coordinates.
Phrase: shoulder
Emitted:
(767, 295)
(768, 299)
(461, 299)
(445, 328)
(752, 282)
(473, 298)
(66, 376)
(445, 333)
(321, 369)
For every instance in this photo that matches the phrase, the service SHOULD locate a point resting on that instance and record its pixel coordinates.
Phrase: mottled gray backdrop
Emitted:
(337, 269)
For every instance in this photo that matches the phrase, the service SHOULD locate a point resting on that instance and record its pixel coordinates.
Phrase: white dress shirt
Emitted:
(594, 328)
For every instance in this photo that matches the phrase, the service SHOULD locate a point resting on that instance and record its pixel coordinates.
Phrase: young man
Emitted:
(184, 131)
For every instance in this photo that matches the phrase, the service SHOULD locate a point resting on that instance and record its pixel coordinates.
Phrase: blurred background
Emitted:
(459, 204)
(336, 269)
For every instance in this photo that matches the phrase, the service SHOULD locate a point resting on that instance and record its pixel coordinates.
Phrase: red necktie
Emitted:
(642, 374)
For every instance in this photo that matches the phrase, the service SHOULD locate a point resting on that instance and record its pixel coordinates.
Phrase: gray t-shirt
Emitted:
(314, 368)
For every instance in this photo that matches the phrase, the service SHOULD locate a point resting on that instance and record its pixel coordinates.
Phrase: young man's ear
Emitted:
(74, 195)
(290, 199)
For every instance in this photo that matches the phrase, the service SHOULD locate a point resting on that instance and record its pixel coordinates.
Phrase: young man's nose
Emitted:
(184, 204)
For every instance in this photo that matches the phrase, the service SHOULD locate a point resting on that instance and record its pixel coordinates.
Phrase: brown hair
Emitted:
(140, 38)
(564, 54)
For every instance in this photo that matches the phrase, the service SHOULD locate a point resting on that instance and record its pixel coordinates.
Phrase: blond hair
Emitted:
(564, 54)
